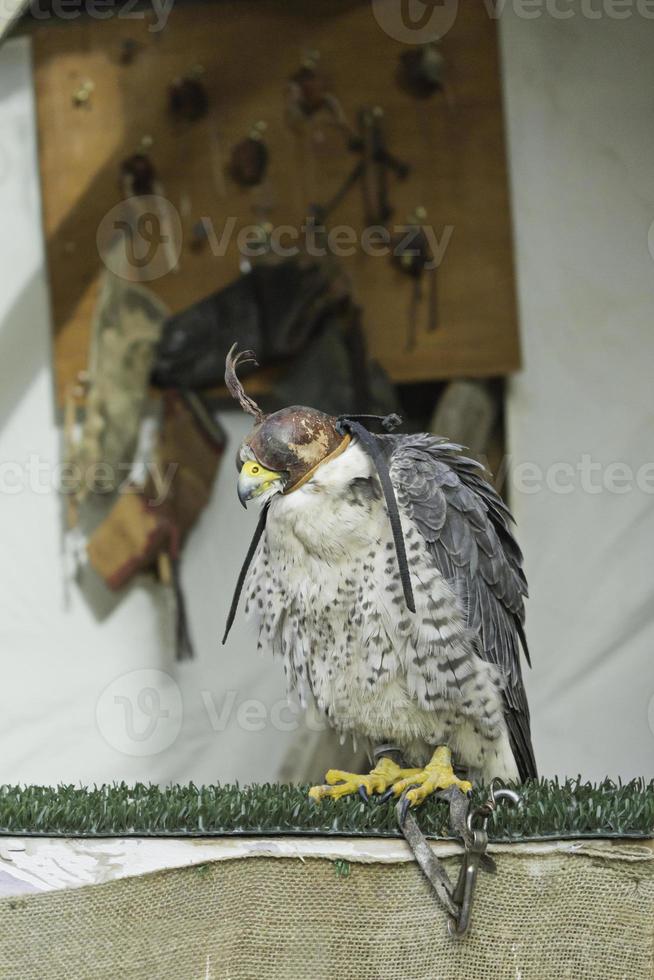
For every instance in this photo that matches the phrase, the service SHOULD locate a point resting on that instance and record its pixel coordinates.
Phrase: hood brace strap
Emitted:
(244, 569)
(348, 425)
(370, 444)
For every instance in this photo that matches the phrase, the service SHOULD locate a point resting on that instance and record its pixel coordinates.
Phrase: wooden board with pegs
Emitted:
(453, 143)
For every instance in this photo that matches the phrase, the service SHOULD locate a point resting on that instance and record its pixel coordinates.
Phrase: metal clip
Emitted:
(475, 849)
(464, 890)
(471, 827)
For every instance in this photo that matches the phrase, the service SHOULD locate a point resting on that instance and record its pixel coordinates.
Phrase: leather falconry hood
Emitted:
(294, 440)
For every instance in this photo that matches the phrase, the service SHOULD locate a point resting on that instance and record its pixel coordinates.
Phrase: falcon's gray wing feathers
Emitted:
(467, 527)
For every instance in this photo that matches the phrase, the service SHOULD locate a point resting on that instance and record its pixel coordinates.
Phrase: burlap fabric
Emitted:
(588, 914)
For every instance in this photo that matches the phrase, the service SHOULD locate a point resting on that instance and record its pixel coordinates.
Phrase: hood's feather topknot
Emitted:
(233, 360)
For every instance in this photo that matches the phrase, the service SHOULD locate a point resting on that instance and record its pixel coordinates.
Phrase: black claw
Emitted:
(403, 809)
(386, 796)
(363, 794)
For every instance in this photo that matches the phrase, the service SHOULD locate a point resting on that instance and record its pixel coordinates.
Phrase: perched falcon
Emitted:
(385, 575)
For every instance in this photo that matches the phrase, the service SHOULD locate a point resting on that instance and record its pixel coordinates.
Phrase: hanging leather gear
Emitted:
(249, 158)
(298, 314)
(145, 532)
(411, 253)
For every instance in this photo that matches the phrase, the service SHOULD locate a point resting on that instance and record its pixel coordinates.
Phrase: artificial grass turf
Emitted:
(549, 809)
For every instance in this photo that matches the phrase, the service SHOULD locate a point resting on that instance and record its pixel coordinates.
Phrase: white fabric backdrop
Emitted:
(579, 110)
(579, 121)
(71, 708)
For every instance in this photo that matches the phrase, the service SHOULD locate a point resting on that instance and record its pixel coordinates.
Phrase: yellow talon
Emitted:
(378, 780)
(420, 783)
(437, 774)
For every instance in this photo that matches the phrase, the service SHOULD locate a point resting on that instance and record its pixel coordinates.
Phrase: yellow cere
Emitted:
(258, 472)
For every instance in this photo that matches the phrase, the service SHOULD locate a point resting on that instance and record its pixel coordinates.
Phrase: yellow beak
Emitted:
(254, 479)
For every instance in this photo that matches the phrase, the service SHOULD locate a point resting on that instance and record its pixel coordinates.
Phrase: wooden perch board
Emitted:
(454, 145)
